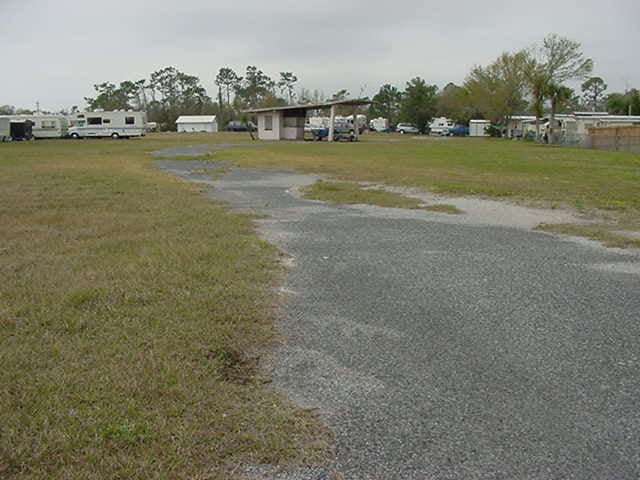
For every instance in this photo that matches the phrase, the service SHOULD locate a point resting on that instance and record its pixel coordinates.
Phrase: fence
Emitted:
(623, 139)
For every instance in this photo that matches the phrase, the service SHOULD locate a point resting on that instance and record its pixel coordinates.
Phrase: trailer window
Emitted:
(94, 120)
(106, 120)
(268, 122)
(129, 120)
(49, 124)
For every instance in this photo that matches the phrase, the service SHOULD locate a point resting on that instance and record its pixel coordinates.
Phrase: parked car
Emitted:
(239, 126)
(458, 131)
(406, 128)
(341, 131)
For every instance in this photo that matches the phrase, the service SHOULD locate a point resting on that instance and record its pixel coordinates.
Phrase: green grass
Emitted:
(443, 208)
(597, 183)
(600, 233)
(133, 312)
(355, 193)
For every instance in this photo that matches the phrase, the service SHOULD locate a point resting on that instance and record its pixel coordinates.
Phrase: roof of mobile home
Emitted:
(196, 119)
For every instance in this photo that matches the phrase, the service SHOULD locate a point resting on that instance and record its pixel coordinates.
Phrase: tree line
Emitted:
(529, 81)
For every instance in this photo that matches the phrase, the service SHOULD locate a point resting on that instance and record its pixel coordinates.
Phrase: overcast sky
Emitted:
(54, 51)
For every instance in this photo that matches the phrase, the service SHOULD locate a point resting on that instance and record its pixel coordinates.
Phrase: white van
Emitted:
(114, 124)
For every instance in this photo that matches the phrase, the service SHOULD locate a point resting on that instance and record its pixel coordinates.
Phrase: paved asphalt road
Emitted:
(444, 350)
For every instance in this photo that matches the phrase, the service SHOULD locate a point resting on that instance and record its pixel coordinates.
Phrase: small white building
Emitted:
(478, 128)
(288, 122)
(197, 123)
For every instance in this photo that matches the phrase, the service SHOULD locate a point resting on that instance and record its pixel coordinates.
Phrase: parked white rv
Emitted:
(379, 124)
(319, 122)
(119, 123)
(5, 129)
(362, 121)
(441, 126)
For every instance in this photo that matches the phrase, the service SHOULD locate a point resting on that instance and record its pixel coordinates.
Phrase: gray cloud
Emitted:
(55, 51)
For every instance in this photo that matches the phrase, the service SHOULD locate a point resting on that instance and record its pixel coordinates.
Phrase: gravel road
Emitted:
(439, 347)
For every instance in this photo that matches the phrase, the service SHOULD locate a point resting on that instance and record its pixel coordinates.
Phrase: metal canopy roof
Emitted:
(196, 119)
(314, 106)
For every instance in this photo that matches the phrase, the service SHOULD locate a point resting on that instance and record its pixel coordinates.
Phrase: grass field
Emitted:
(133, 310)
(604, 186)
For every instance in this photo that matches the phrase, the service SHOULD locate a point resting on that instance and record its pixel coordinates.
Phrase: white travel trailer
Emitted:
(44, 125)
(119, 123)
(5, 129)
(379, 124)
(441, 126)
(362, 120)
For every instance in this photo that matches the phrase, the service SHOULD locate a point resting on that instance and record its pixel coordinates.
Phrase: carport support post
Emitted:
(356, 130)
(332, 117)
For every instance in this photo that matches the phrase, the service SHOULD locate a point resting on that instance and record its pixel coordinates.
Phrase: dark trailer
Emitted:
(21, 130)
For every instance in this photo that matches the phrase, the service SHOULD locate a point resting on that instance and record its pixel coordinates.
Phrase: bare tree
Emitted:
(286, 84)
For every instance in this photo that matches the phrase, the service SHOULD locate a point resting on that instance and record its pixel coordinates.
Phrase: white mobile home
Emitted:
(5, 129)
(119, 123)
(197, 123)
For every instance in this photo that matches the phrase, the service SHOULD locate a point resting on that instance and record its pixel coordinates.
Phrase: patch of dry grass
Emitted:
(132, 314)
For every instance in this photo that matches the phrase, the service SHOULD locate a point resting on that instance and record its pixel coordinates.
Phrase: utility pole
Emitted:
(37, 107)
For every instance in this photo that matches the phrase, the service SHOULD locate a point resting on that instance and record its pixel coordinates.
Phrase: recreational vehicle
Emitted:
(5, 129)
(440, 126)
(108, 124)
(43, 125)
(379, 124)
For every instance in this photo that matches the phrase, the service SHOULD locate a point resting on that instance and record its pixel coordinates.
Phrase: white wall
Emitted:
(293, 133)
(198, 127)
(276, 124)
(478, 129)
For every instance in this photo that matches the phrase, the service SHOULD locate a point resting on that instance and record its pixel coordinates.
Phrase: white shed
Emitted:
(197, 123)
(478, 128)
